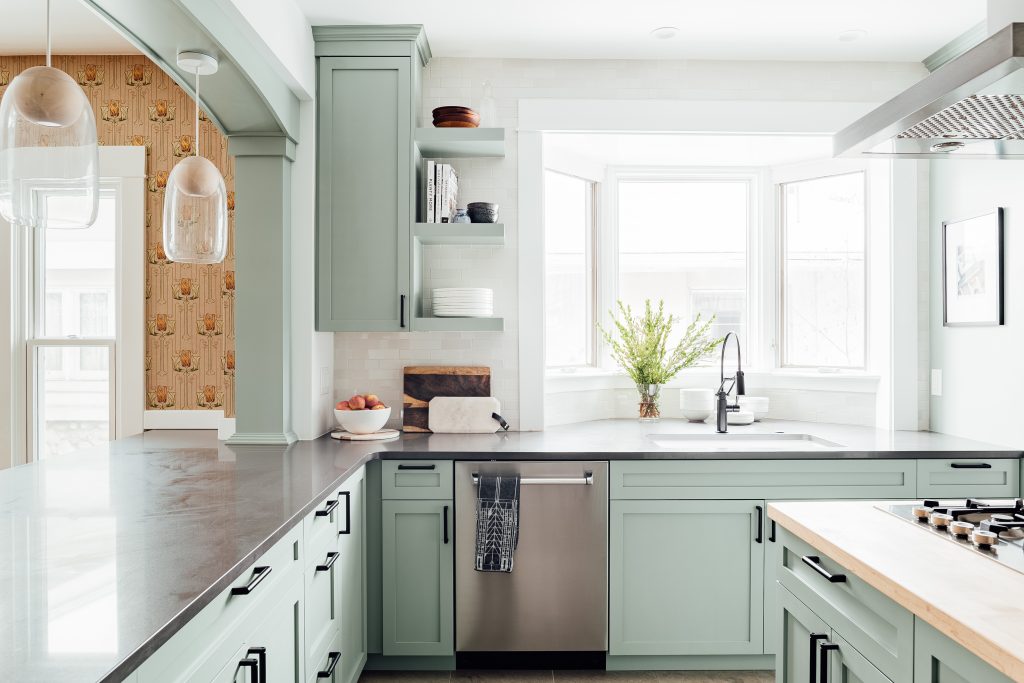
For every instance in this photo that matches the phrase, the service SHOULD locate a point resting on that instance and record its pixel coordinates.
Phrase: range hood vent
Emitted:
(972, 106)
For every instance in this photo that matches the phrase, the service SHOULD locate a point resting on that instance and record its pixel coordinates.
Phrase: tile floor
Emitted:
(567, 677)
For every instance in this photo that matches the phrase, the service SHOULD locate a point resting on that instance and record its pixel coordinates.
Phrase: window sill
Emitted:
(591, 379)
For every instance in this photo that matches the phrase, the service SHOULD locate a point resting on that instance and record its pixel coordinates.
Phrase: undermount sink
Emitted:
(742, 442)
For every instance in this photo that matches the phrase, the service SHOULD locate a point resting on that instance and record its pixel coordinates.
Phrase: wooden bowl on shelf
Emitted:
(455, 117)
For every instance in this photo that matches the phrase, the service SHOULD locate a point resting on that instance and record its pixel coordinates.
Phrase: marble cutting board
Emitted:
(463, 415)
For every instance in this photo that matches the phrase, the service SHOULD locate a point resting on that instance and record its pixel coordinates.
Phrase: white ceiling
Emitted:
(635, 149)
(897, 30)
(77, 30)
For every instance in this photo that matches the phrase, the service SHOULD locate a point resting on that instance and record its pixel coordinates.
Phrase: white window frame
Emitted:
(608, 246)
(592, 249)
(122, 170)
(780, 239)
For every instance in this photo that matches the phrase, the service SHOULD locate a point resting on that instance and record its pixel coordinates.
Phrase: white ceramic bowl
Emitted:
(362, 421)
(696, 414)
(758, 405)
(696, 398)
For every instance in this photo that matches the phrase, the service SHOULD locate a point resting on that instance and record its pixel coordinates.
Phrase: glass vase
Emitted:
(649, 396)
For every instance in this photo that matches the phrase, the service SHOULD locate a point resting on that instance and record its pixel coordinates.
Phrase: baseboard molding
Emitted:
(690, 662)
(182, 419)
(382, 663)
(262, 439)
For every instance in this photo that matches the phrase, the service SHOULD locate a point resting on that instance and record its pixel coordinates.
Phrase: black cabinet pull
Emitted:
(327, 509)
(812, 667)
(401, 311)
(332, 663)
(823, 661)
(348, 512)
(445, 522)
(258, 574)
(971, 465)
(814, 562)
(261, 658)
(254, 668)
(771, 534)
(417, 467)
(760, 524)
(332, 557)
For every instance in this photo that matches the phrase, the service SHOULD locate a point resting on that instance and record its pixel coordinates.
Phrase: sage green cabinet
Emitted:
(938, 659)
(418, 577)
(281, 634)
(350, 595)
(365, 196)
(686, 577)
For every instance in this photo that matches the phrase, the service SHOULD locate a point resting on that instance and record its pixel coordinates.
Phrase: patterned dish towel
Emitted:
(497, 522)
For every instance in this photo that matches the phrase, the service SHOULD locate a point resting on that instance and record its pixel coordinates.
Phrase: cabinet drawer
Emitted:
(323, 621)
(958, 478)
(873, 624)
(779, 479)
(210, 638)
(320, 527)
(328, 667)
(416, 479)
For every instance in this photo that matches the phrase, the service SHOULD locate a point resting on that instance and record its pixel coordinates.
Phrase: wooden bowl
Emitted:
(456, 124)
(455, 117)
(447, 111)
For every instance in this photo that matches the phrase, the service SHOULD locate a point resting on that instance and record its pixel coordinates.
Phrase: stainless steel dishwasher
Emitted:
(555, 599)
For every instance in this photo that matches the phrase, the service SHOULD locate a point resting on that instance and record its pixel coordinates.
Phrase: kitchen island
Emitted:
(113, 550)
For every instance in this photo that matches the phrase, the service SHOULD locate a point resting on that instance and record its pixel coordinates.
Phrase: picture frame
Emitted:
(972, 271)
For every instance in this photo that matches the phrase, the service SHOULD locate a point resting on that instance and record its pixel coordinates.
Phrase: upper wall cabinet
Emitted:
(368, 97)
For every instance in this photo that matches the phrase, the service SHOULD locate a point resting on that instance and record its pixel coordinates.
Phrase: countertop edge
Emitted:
(1008, 661)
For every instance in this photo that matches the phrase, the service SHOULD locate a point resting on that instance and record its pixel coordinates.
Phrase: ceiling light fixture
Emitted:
(196, 204)
(665, 33)
(49, 160)
(853, 35)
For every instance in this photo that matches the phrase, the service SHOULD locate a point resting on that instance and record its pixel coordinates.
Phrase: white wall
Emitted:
(373, 362)
(981, 366)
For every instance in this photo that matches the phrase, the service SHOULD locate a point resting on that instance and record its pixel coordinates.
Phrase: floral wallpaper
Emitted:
(190, 327)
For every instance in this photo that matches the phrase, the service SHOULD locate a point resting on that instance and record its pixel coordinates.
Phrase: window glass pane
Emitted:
(824, 272)
(567, 225)
(685, 242)
(72, 413)
(75, 260)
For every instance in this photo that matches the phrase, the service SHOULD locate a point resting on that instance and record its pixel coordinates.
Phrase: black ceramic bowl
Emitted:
(482, 212)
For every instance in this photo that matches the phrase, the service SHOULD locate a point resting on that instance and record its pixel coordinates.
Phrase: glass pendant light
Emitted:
(49, 161)
(196, 202)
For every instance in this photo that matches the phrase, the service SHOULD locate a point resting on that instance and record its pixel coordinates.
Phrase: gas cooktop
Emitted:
(994, 529)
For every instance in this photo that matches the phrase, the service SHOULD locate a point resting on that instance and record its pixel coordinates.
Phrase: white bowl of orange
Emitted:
(362, 414)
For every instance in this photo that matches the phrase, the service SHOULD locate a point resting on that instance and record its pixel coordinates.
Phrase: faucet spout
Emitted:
(737, 380)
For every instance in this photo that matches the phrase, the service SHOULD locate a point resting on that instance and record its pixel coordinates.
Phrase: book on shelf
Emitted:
(429, 194)
(440, 192)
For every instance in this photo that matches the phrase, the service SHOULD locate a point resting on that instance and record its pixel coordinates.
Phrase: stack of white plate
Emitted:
(463, 302)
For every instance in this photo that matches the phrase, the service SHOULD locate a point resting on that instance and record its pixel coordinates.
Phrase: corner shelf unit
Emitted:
(431, 324)
(460, 143)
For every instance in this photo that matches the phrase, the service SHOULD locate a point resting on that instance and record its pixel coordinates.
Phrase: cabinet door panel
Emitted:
(351, 593)
(281, 633)
(939, 659)
(418, 577)
(365, 170)
(686, 578)
(796, 658)
(846, 665)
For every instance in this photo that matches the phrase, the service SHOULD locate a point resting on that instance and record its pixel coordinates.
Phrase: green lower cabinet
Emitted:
(686, 577)
(234, 671)
(350, 596)
(938, 659)
(418, 578)
(281, 634)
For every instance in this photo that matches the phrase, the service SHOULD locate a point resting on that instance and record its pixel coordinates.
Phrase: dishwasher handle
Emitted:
(586, 480)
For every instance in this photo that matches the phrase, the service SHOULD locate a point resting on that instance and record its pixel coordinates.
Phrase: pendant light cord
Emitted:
(197, 109)
(49, 41)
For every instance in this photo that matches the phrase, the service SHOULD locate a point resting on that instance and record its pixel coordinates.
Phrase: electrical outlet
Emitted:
(325, 381)
(936, 382)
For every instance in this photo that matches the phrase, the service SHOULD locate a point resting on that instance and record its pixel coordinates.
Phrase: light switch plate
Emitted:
(936, 382)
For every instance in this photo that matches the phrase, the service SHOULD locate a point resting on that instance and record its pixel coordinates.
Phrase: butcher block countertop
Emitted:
(972, 599)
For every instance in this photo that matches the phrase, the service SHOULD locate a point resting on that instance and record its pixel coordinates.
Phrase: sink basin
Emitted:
(742, 442)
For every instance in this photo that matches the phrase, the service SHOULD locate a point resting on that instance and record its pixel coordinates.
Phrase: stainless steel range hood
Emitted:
(971, 107)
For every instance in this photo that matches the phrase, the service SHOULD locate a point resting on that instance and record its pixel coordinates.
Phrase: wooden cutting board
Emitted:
(424, 382)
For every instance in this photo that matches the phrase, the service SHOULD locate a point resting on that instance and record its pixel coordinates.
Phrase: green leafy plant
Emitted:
(641, 346)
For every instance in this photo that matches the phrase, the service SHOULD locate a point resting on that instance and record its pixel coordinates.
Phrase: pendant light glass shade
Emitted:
(49, 160)
(196, 201)
(195, 213)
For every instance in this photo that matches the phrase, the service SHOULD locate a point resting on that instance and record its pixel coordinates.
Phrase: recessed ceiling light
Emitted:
(852, 35)
(665, 33)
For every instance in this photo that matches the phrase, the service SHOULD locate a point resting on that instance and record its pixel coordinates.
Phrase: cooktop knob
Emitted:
(921, 512)
(960, 529)
(940, 520)
(984, 539)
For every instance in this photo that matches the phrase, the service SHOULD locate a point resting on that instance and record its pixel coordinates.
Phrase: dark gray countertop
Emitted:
(108, 552)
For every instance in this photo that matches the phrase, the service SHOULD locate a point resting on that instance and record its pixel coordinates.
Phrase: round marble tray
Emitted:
(375, 436)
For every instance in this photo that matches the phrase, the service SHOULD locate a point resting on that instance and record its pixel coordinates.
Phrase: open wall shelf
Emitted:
(488, 234)
(450, 143)
(431, 324)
